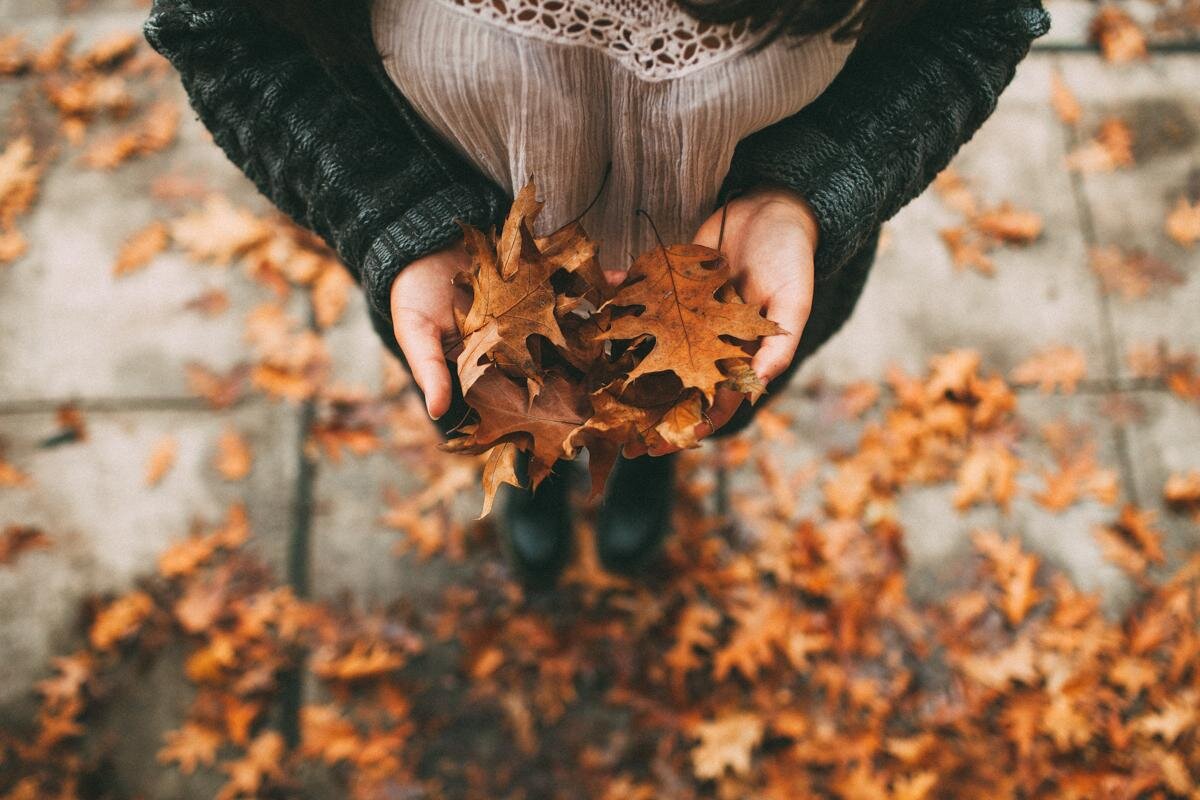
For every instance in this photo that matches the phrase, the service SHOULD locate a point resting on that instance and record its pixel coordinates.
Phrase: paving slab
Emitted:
(354, 554)
(1128, 207)
(69, 329)
(916, 304)
(1164, 442)
(108, 528)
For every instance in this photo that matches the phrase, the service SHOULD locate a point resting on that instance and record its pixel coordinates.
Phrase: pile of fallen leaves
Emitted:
(778, 654)
(553, 359)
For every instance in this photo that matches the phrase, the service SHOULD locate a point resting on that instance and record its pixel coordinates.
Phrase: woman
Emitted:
(378, 124)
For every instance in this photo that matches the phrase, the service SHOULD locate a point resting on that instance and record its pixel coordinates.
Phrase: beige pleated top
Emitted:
(556, 89)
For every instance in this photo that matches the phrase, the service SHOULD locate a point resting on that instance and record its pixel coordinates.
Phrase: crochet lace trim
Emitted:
(655, 39)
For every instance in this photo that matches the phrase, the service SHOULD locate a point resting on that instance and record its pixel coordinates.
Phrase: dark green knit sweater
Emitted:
(344, 154)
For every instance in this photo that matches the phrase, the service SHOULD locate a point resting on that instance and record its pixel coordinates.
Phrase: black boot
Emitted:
(635, 515)
(536, 525)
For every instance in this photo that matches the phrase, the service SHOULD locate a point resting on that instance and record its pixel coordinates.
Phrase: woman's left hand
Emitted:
(770, 240)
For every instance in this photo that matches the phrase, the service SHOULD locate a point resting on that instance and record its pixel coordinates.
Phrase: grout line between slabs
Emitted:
(299, 567)
(1112, 359)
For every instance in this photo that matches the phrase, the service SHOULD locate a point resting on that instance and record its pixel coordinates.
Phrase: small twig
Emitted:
(603, 183)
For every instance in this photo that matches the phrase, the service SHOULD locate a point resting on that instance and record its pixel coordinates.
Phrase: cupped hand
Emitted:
(423, 299)
(770, 241)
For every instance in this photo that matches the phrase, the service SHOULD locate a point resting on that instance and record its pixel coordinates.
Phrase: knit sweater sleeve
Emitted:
(891, 120)
(382, 191)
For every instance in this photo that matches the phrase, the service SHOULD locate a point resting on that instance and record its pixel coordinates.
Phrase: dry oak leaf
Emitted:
(1119, 37)
(328, 735)
(16, 540)
(1132, 274)
(153, 132)
(996, 671)
(726, 743)
(190, 746)
(210, 303)
(512, 297)
(52, 55)
(1182, 490)
(219, 232)
(968, 249)
(234, 458)
(330, 295)
(140, 248)
(162, 458)
(676, 288)
(1111, 149)
(1183, 223)
(263, 761)
(1060, 367)
(120, 619)
(11, 477)
(1078, 475)
(108, 52)
(1063, 100)
(1008, 223)
(988, 472)
(219, 391)
(543, 423)
(19, 175)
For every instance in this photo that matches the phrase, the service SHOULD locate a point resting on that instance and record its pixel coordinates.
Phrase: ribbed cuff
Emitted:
(425, 228)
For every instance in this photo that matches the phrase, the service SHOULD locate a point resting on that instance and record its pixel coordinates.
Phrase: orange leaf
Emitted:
(162, 458)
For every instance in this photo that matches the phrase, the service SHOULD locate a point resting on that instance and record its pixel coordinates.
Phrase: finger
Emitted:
(421, 343)
(726, 403)
(788, 309)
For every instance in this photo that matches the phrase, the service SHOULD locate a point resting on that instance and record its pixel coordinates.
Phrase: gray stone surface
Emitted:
(108, 527)
(1128, 207)
(916, 304)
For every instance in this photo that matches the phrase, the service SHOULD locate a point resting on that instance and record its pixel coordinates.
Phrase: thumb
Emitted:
(788, 308)
(420, 341)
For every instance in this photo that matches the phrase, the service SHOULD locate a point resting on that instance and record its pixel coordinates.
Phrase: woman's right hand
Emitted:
(423, 299)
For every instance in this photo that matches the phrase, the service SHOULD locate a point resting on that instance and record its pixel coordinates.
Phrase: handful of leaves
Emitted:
(554, 360)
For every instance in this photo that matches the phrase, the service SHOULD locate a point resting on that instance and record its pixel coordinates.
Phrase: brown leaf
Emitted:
(1063, 100)
(1183, 223)
(234, 458)
(19, 176)
(1007, 223)
(1132, 274)
(120, 620)
(512, 298)
(330, 295)
(140, 248)
(968, 249)
(1111, 149)
(211, 303)
(219, 232)
(1061, 366)
(190, 746)
(676, 289)
(162, 458)
(220, 391)
(11, 477)
(155, 131)
(726, 743)
(500, 468)
(16, 540)
(1119, 37)
(543, 423)
(108, 52)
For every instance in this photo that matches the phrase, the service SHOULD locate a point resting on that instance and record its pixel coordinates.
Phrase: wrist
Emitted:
(778, 193)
